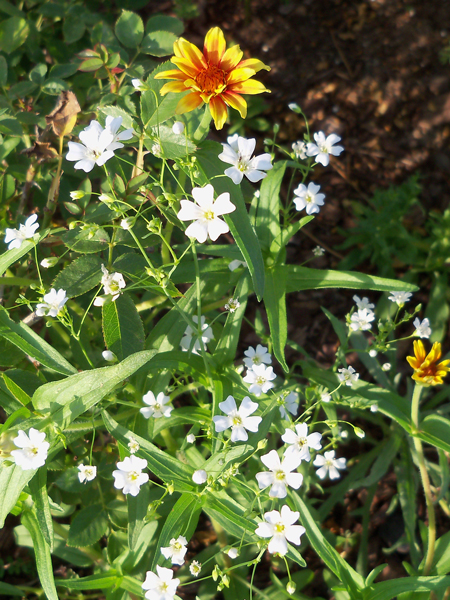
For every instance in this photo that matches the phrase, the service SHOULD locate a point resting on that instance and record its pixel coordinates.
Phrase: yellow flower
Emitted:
(426, 370)
(215, 76)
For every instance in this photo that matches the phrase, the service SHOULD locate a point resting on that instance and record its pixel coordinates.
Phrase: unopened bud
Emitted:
(262, 444)
(109, 356)
(77, 194)
(178, 127)
(127, 223)
(291, 587)
(46, 263)
(359, 432)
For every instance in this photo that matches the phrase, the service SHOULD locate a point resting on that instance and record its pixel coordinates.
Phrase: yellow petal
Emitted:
(237, 75)
(173, 86)
(218, 111)
(237, 102)
(215, 45)
(231, 58)
(248, 87)
(188, 103)
(253, 63)
(173, 74)
(185, 65)
(192, 54)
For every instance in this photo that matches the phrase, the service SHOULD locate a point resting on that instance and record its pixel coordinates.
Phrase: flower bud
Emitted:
(262, 444)
(359, 432)
(200, 476)
(291, 587)
(178, 127)
(127, 223)
(77, 195)
(190, 438)
(46, 263)
(109, 356)
(294, 107)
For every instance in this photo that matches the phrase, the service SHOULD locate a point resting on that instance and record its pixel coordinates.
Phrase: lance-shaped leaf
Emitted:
(43, 556)
(122, 327)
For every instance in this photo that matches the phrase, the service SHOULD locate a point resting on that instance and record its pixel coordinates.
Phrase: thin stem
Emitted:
(53, 193)
(425, 480)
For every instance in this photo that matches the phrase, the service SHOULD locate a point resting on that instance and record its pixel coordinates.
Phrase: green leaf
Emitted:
(238, 221)
(407, 493)
(9, 590)
(164, 23)
(172, 145)
(43, 557)
(267, 218)
(129, 29)
(283, 238)
(226, 348)
(158, 43)
(88, 526)
(303, 278)
(437, 308)
(38, 73)
(87, 241)
(10, 125)
(167, 468)
(122, 327)
(53, 87)
(33, 345)
(116, 111)
(100, 581)
(79, 276)
(38, 488)
(348, 576)
(3, 71)
(68, 399)
(12, 481)
(275, 303)
(13, 33)
(156, 109)
(73, 29)
(435, 430)
(16, 390)
(182, 520)
(137, 511)
(385, 590)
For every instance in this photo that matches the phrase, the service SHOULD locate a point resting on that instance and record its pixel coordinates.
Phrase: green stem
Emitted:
(203, 129)
(53, 193)
(425, 480)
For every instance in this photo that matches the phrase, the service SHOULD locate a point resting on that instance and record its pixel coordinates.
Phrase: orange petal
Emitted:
(215, 45)
(188, 103)
(237, 102)
(218, 111)
(185, 65)
(237, 75)
(248, 87)
(192, 54)
(174, 74)
(253, 63)
(173, 86)
(231, 58)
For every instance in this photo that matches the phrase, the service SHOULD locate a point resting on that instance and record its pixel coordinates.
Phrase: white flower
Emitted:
(206, 213)
(53, 303)
(281, 529)
(373, 353)
(233, 553)
(109, 356)
(288, 404)
(87, 473)
(318, 251)
(300, 442)
(190, 335)
(235, 264)
(232, 305)
(138, 85)
(161, 586)
(362, 319)
(344, 434)
(423, 330)
(176, 550)
(113, 124)
(178, 127)
(325, 397)
(112, 283)
(129, 476)
(95, 149)
(15, 237)
(280, 474)
(400, 297)
(309, 198)
(299, 149)
(200, 476)
(190, 438)
(348, 376)
(195, 567)
(374, 408)
(156, 150)
(133, 445)
(260, 379)
(386, 367)
(238, 152)
(363, 302)
(257, 357)
(323, 147)
(33, 452)
(127, 224)
(157, 407)
(238, 419)
(329, 465)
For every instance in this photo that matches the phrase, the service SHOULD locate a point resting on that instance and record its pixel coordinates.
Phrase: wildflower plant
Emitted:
(131, 408)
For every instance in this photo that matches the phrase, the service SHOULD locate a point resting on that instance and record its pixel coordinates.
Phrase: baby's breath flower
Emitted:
(33, 449)
(129, 477)
(325, 397)
(190, 438)
(318, 251)
(373, 353)
(15, 237)
(235, 264)
(127, 223)
(386, 367)
(176, 550)
(157, 407)
(281, 529)
(232, 305)
(280, 474)
(299, 149)
(362, 319)
(238, 152)
(400, 297)
(423, 329)
(233, 553)
(348, 376)
(323, 147)
(195, 567)
(238, 419)
(260, 379)
(362, 303)
(374, 408)
(52, 304)
(308, 198)
(133, 445)
(87, 473)
(161, 586)
(328, 464)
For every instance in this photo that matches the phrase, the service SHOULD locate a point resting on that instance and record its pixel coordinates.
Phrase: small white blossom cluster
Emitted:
(258, 375)
(112, 284)
(98, 144)
(52, 304)
(361, 319)
(190, 341)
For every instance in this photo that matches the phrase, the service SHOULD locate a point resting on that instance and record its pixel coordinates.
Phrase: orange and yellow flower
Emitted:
(426, 370)
(216, 76)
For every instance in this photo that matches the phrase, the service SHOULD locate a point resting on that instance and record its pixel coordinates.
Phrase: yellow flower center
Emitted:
(211, 80)
(256, 360)
(308, 199)
(237, 421)
(302, 441)
(208, 215)
(260, 380)
(157, 406)
(280, 475)
(279, 528)
(34, 450)
(133, 475)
